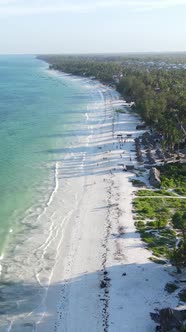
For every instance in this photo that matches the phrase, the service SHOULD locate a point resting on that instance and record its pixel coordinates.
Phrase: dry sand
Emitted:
(103, 279)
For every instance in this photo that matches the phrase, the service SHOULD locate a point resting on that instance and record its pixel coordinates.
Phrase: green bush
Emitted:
(167, 183)
(140, 225)
(174, 176)
(152, 224)
(147, 237)
(171, 287)
(147, 210)
(157, 261)
(161, 223)
(179, 221)
(181, 191)
(138, 183)
(168, 233)
(177, 256)
(182, 295)
(158, 251)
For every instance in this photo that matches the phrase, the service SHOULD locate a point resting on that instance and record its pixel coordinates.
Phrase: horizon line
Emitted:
(94, 53)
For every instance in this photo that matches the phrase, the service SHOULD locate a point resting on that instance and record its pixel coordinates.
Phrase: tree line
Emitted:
(159, 93)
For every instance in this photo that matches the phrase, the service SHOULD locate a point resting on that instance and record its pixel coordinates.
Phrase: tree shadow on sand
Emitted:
(100, 158)
(120, 297)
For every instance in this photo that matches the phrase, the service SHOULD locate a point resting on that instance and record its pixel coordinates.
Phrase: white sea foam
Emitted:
(38, 255)
(56, 185)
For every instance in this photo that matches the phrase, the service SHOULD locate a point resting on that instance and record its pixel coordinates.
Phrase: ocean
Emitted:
(38, 114)
(45, 131)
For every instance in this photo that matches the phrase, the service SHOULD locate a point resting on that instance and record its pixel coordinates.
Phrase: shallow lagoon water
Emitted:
(39, 112)
(45, 129)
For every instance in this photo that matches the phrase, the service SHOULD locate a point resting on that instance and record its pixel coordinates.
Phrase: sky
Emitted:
(92, 26)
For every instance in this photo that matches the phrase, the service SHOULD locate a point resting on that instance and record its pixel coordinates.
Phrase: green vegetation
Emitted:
(180, 191)
(138, 183)
(151, 193)
(160, 98)
(88, 66)
(156, 209)
(179, 222)
(161, 222)
(182, 295)
(174, 176)
(158, 261)
(171, 287)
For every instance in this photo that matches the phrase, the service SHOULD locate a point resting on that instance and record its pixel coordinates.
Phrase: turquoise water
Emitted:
(38, 110)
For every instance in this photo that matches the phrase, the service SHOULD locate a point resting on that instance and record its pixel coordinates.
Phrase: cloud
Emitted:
(23, 7)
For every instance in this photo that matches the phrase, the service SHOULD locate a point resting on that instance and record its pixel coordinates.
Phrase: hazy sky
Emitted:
(92, 26)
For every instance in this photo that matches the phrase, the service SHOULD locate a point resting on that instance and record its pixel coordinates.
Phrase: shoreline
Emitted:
(122, 256)
(101, 272)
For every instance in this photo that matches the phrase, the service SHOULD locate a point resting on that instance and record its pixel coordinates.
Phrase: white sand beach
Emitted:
(102, 278)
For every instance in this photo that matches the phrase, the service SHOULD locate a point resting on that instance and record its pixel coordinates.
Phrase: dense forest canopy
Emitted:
(155, 82)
